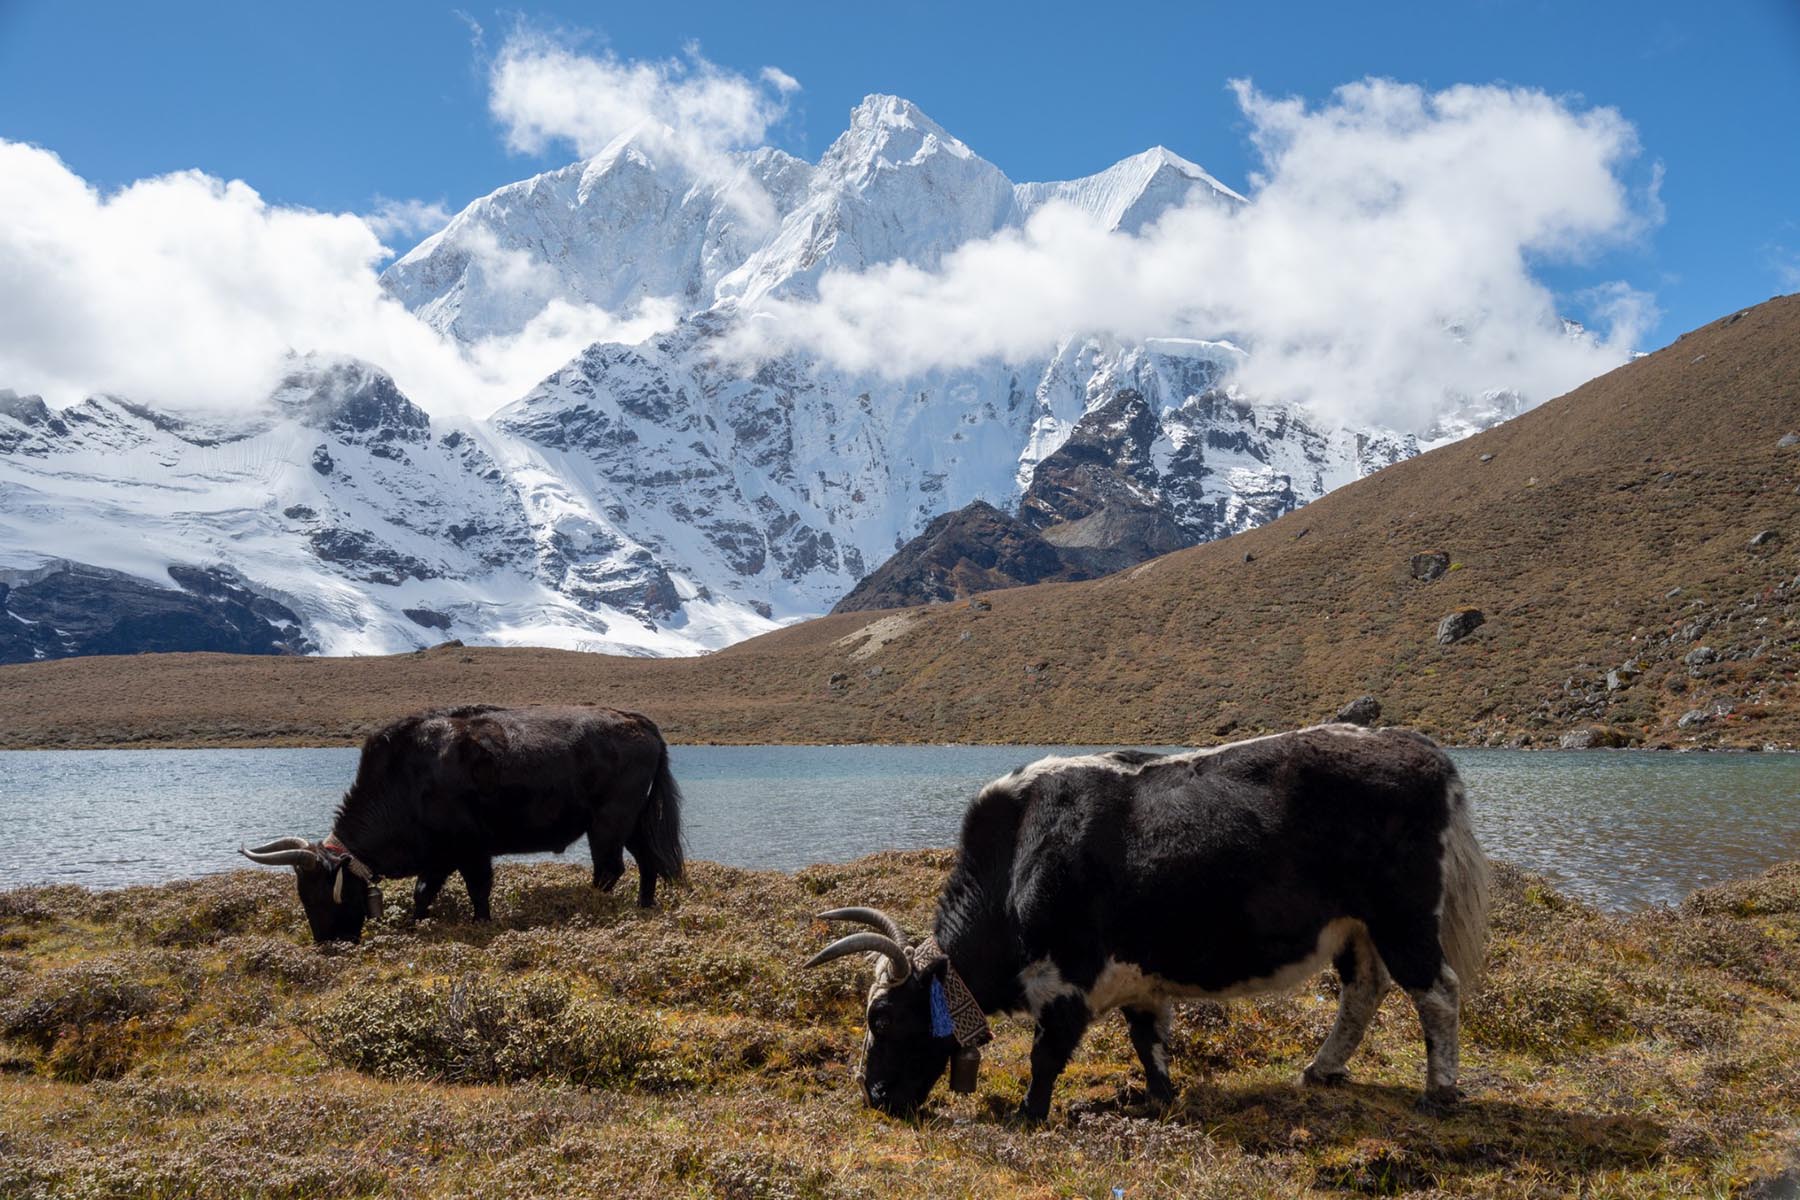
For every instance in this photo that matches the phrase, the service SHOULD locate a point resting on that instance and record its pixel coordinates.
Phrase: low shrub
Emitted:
(84, 1053)
(203, 911)
(94, 1020)
(102, 992)
(1549, 1010)
(1775, 892)
(263, 957)
(1372, 1167)
(32, 905)
(1742, 949)
(478, 1030)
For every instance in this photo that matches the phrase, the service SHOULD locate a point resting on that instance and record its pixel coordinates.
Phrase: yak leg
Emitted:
(1440, 1009)
(606, 842)
(1060, 1024)
(1416, 959)
(1362, 982)
(646, 865)
(425, 892)
(478, 877)
(609, 860)
(1150, 1036)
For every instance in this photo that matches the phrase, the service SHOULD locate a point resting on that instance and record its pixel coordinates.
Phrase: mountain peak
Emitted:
(1161, 156)
(881, 111)
(347, 395)
(28, 410)
(894, 130)
(1134, 191)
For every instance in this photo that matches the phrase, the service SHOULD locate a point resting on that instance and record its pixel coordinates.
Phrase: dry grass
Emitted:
(1612, 526)
(185, 1041)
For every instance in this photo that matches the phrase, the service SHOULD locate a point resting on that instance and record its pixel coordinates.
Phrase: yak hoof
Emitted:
(1438, 1101)
(1312, 1076)
(606, 883)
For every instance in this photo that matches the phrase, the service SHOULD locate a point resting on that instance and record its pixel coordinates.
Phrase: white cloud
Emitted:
(405, 218)
(1785, 263)
(543, 92)
(185, 290)
(780, 80)
(1380, 222)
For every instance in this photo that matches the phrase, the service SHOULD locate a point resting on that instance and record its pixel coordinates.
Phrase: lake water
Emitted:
(1620, 828)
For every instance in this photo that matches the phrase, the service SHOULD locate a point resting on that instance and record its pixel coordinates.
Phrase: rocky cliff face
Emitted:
(975, 549)
(65, 608)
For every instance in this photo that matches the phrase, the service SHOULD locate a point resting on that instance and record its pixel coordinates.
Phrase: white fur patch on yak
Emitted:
(1103, 761)
(1123, 984)
(1042, 982)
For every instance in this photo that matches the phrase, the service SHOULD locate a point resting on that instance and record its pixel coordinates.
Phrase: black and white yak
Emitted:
(446, 791)
(1130, 880)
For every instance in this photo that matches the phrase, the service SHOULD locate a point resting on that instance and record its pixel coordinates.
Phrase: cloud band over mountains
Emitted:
(1393, 251)
(1388, 257)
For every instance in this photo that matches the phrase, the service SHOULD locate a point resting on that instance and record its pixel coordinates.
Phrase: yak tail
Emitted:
(659, 825)
(1463, 925)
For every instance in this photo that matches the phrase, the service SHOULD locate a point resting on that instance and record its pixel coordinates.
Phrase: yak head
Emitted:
(337, 900)
(902, 1059)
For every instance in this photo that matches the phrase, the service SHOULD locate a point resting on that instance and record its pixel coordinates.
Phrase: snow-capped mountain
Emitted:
(636, 223)
(660, 498)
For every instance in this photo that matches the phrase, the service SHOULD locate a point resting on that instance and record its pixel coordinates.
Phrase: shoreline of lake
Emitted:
(1622, 828)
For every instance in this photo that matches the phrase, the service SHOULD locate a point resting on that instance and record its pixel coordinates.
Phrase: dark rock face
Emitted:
(355, 401)
(974, 549)
(428, 617)
(217, 584)
(639, 585)
(1137, 477)
(1430, 565)
(66, 609)
(1364, 710)
(1459, 625)
(371, 559)
(1099, 494)
(37, 426)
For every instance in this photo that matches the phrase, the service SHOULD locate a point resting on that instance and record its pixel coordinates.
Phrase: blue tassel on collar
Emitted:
(941, 1025)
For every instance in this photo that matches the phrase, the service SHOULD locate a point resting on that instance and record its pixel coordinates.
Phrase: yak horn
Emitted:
(867, 916)
(861, 943)
(283, 852)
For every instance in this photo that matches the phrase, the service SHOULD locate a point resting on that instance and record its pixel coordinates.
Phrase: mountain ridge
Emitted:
(1631, 547)
(666, 497)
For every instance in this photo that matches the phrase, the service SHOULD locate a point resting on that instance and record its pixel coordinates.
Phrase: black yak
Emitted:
(448, 790)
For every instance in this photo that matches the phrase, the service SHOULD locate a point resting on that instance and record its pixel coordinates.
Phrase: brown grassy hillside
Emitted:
(1608, 530)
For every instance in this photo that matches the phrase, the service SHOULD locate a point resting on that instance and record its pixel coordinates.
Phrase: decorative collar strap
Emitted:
(969, 1022)
(355, 865)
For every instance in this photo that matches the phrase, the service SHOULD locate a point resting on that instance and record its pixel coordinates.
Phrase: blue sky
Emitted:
(330, 105)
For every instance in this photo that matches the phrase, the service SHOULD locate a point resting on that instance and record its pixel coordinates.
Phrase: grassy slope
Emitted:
(185, 1040)
(1572, 540)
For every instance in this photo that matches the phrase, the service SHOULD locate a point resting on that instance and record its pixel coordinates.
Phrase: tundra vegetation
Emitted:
(187, 1040)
